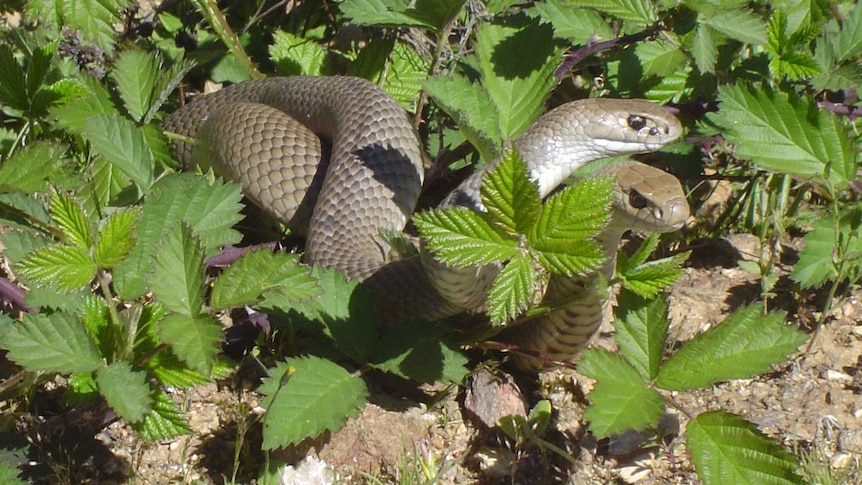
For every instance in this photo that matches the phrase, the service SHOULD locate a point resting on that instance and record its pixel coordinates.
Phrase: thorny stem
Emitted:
(591, 47)
(210, 10)
(124, 339)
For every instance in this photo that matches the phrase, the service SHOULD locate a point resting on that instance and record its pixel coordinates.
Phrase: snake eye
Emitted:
(636, 122)
(636, 200)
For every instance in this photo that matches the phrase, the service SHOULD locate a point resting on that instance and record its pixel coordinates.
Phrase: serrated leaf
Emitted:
(17, 244)
(472, 109)
(178, 276)
(73, 115)
(171, 371)
(660, 58)
(294, 55)
(639, 13)
(384, 13)
(417, 350)
(210, 209)
(69, 216)
(704, 49)
(576, 25)
(512, 290)
(793, 65)
(95, 19)
(116, 238)
(435, 13)
(817, 260)
(845, 38)
(30, 169)
(121, 142)
(621, 399)
(125, 390)
(517, 62)
(13, 89)
(136, 73)
(745, 344)
(648, 279)
(246, 280)
(195, 340)
(567, 225)
(319, 395)
(403, 75)
(166, 421)
(641, 331)
(68, 268)
(727, 449)
(463, 238)
(347, 310)
(51, 343)
(786, 134)
(510, 197)
(739, 24)
(97, 321)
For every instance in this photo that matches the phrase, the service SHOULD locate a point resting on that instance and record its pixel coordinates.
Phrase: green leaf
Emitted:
(195, 340)
(794, 66)
(417, 350)
(517, 62)
(68, 268)
(621, 399)
(171, 371)
(640, 13)
(296, 56)
(13, 89)
(747, 343)
(567, 225)
(246, 280)
(125, 390)
(435, 13)
(704, 49)
(95, 19)
(73, 115)
(512, 290)
(818, 260)
(30, 169)
(739, 24)
(210, 209)
(472, 109)
(116, 238)
(727, 449)
(51, 343)
(578, 26)
(403, 75)
(786, 134)
(97, 322)
(648, 279)
(319, 395)
(660, 58)
(509, 196)
(463, 238)
(348, 312)
(166, 421)
(845, 38)
(10, 475)
(69, 216)
(641, 331)
(384, 13)
(121, 142)
(18, 243)
(136, 73)
(178, 275)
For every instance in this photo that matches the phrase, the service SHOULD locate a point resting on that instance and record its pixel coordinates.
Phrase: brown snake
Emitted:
(264, 135)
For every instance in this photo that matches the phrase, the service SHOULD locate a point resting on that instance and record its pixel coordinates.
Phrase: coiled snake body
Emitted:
(264, 135)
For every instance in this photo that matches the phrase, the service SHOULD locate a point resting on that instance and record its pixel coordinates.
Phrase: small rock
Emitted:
(495, 462)
(834, 375)
(490, 397)
(310, 471)
(841, 460)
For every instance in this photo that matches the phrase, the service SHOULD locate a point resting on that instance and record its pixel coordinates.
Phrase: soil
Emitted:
(811, 404)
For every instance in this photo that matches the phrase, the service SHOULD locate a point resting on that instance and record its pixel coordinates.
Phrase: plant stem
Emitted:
(210, 10)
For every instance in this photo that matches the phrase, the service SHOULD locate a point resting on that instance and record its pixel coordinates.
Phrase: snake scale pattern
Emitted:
(368, 172)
